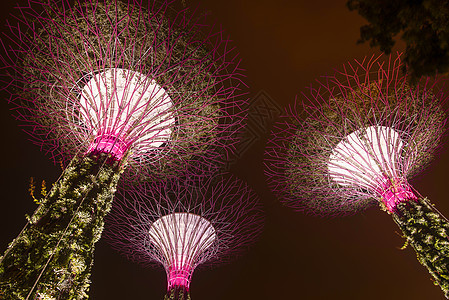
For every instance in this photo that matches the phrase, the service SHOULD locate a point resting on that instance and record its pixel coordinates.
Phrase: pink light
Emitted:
(392, 193)
(123, 108)
(109, 144)
(179, 276)
(181, 238)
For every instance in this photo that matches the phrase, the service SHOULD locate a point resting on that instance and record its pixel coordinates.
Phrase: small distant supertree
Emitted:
(183, 224)
(362, 134)
(108, 85)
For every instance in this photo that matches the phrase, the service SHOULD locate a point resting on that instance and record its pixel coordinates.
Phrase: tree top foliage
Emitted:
(424, 25)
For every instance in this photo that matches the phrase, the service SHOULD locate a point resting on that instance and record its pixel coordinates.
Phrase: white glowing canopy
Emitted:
(127, 106)
(365, 157)
(181, 238)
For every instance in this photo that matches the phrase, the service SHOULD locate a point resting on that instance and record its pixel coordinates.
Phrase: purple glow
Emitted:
(109, 144)
(393, 193)
(179, 276)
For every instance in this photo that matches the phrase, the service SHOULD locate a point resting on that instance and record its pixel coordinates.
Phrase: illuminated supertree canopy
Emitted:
(110, 86)
(358, 139)
(183, 224)
(118, 78)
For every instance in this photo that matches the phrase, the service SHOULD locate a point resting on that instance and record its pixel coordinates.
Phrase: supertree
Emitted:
(356, 141)
(181, 224)
(110, 86)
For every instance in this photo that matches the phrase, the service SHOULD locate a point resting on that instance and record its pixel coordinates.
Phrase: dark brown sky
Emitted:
(284, 46)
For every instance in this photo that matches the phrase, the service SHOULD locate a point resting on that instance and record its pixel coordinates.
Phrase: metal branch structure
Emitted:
(118, 77)
(183, 224)
(356, 141)
(115, 87)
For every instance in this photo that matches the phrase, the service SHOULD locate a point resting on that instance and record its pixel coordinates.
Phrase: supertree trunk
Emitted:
(177, 293)
(427, 231)
(52, 257)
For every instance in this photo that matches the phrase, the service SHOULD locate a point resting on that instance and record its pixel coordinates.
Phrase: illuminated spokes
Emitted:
(181, 238)
(366, 157)
(126, 107)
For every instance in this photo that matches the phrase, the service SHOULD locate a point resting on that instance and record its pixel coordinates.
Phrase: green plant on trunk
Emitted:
(52, 257)
(427, 231)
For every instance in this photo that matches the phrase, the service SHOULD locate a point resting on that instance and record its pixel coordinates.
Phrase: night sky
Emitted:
(284, 47)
